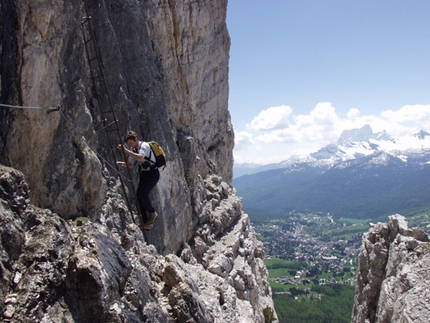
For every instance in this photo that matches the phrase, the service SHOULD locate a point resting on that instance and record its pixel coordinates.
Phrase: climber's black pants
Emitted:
(147, 181)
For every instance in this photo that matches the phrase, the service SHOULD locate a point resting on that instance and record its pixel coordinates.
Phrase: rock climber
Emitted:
(141, 153)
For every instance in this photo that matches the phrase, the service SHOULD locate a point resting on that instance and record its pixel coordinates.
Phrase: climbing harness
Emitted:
(108, 120)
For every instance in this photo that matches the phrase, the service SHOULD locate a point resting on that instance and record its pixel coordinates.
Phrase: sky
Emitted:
(302, 71)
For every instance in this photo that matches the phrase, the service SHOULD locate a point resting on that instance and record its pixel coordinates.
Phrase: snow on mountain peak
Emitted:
(355, 144)
(349, 137)
(384, 136)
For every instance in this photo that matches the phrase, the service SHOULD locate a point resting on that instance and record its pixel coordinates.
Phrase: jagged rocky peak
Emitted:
(383, 135)
(359, 139)
(326, 152)
(393, 275)
(348, 137)
(421, 134)
(75, 253)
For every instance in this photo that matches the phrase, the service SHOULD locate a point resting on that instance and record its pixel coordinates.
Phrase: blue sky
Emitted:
(302, 71)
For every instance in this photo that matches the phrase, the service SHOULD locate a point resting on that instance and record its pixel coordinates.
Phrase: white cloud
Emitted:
(353, 114)
(418, 114)
(242, 139)
(305, 133)
(319, 124)
(279, 135)
(272, 118)
(323, 115)
(408, 113)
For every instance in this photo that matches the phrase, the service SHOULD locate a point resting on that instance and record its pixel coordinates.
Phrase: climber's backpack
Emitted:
(160, 156)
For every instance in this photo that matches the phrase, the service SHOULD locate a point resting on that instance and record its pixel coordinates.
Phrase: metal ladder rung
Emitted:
(88, 40)
(128, 180)
(102, 125)
(106, 127)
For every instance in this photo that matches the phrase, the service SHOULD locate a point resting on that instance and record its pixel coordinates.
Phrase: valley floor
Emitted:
(312, 263)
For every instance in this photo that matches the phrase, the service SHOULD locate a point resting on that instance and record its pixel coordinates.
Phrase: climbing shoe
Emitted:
(152, 217)
(145, 226)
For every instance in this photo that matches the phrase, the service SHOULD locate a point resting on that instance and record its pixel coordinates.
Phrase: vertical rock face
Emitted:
(393, 280)
(166, 67)
(70, 250)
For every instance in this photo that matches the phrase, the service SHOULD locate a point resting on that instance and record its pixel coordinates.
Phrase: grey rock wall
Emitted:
(393, 275)
(70, 249)
(166, 66)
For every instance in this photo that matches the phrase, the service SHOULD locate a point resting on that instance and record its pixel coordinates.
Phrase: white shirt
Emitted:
(146, 151)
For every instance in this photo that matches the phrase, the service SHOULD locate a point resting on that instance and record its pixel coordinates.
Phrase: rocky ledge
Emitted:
(393, 274)
(53, 270)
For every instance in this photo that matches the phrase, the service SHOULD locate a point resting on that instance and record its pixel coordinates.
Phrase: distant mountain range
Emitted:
(365, 175)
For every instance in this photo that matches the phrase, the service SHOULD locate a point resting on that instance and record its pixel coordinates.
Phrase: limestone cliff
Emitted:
(393, 275)
(70, 248)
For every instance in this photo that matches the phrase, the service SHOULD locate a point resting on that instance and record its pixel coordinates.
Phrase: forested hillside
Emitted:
(365, 188)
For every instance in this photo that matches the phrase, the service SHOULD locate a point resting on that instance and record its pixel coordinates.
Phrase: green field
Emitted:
(335, 306)
(308, 302)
